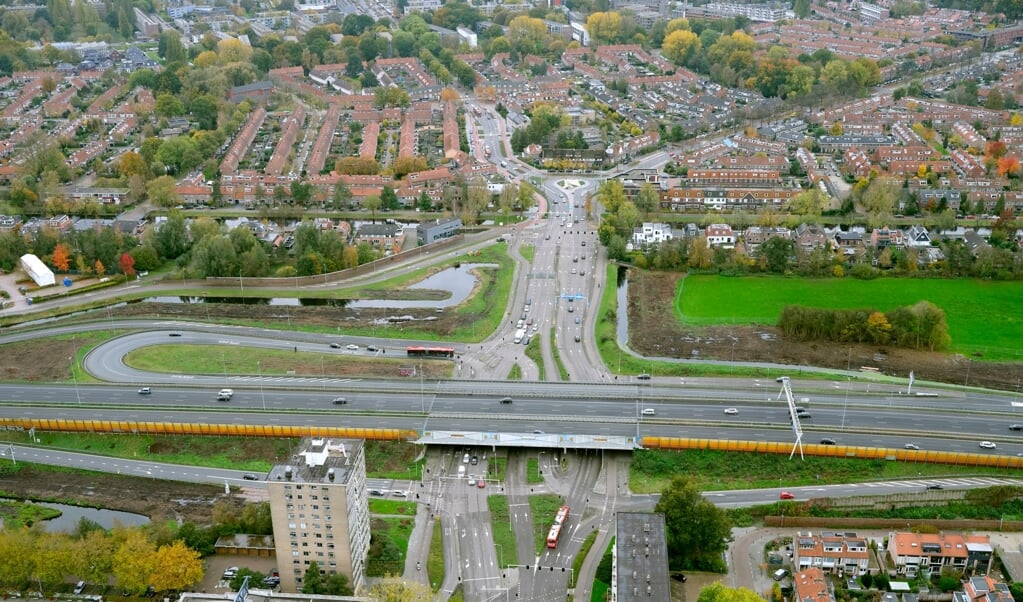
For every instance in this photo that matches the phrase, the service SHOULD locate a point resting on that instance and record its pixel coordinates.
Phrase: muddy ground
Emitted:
(653, 332)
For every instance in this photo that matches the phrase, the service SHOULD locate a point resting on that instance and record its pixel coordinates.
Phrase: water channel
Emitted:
(67, 522)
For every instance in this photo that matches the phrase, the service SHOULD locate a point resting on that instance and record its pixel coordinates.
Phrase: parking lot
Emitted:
(216, 565)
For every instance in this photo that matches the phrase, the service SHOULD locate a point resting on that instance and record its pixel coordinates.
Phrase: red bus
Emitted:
(430, 351)
(560, 522)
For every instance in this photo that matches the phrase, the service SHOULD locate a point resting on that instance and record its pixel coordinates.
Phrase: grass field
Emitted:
(435, 561)
(500, 523)
(378, 506)
(533, 476)
(971, 306)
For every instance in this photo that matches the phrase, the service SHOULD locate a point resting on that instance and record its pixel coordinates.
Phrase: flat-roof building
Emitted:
(320, 512)
(640, 558)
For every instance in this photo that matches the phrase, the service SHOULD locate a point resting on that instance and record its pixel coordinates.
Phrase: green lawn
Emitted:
(534, 353)
(533, 476)
(527, 251)
(543, 507)
(500, 523)
(580, 558)
(971, 306)
(404, 508)
(435, 561)
(496, 466)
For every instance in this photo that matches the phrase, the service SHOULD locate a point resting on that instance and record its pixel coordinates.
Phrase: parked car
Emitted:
(79, 588)
(785, 495)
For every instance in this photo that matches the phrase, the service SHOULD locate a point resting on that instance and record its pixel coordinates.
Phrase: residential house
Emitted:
(849, 242)
(917, 236)
(754, 236)
(887, 237)
(810, 237)
(831, 552)
(983, 588)
(387, 237)
(811, 586)
(912, 553)
(719, 235)
(650, 234)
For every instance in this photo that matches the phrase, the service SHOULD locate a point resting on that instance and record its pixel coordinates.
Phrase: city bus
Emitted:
(560, 522)
(430, 352)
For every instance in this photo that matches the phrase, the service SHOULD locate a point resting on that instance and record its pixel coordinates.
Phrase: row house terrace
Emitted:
(913, 553)
(907, 167)
(887, 154)
(967, 164)
(857, 162)
(907, 135)
(831, 552)
(942, 112)
(970, 136)
(811, 586)
(717, 199)
(733, 177)
(757, 145)
(982, 588)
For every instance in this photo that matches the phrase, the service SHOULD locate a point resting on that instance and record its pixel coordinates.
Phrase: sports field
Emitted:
(983, 317)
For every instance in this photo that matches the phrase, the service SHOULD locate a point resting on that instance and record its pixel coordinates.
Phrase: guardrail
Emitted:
(836, 451)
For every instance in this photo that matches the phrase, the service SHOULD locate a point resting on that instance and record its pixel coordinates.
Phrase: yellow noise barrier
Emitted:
(178, 428)
(836, 451)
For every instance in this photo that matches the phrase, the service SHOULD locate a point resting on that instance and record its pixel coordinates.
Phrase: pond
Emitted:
(68, 520)
(458, 281)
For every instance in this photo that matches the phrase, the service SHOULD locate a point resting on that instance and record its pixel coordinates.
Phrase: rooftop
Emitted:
(327, 461)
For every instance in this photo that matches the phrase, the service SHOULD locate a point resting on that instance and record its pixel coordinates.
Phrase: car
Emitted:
(582, 272)
(988, 444)
(911, 446)
(150, 592)
(578, 338)
(372, 348)
(571, 308)
(548, 237)
(529, 322)
(481, 483)
(271, 581)
(584, 244)
(934, 486)
(231, 573)
(250, 477)
(352, 347)
(538, 432)
(577, 319)
(335, 345)
(145, 391)
(472, 482)
(474, 460)
(649, 412)
(785, 495)
(377, 492)
(506, 400)
(1016, 427)
(79, 588)
(500, 239)
(174, 334)
(827, 441)
(643, 376)
(731, 411)
(574, 270)
(400, 493)
(339, 401)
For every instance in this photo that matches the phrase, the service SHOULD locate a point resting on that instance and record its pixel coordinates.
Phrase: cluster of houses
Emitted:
(851, 242)
(818, 555)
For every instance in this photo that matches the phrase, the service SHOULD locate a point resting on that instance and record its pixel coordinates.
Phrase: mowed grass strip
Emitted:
(500, 525)
(435, 561)
(971, 307)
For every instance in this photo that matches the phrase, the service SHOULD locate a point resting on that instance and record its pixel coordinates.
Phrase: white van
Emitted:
(780, 574)
(461, 471)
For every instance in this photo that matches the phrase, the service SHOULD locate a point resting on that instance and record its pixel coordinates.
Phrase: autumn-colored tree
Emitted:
(1008, 166)
(449, 94)
(394, 589)
(127, 265)
(61, 257)
(177, 567)
(99, 268)
(995, 149)
(879, 328)
(134, 561)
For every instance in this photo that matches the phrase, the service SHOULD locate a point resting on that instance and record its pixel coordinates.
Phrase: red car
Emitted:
(785, 495)
(481, 483)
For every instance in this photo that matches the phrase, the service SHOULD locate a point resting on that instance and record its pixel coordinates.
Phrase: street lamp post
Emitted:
(422, 392)
(74, 376)
(259, 367)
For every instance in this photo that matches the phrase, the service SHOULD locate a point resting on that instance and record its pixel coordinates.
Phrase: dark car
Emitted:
(827, 441)
(339, 401)
(644, 376)
(250, 477)
(372, 348)
(174, 334)
(335, 345)
(506, 400)
(935, 486)
(1016, 427)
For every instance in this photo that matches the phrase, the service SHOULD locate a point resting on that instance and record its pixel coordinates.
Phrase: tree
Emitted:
(680, 45)
(719, 592)
(698, 532)
(604, 27)
(162, 191)
(62, 257)
(397, 590)
(127, 263)
(312, 582)
(373, 203)
(777, 253)
(99, 268)
(177, 567)
(134, 561)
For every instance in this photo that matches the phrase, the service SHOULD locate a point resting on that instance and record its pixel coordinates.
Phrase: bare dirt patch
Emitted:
(654, 331)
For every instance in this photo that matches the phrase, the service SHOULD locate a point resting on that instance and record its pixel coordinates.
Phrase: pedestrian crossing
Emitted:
(951, 483)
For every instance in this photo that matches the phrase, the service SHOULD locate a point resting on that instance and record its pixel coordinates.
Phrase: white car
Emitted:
(352, 347)
(911, 446)
(988, 444)
(649, 412)
(731, 411)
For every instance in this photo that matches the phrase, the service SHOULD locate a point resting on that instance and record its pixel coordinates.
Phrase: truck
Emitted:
(519, 335)
(225, 395)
